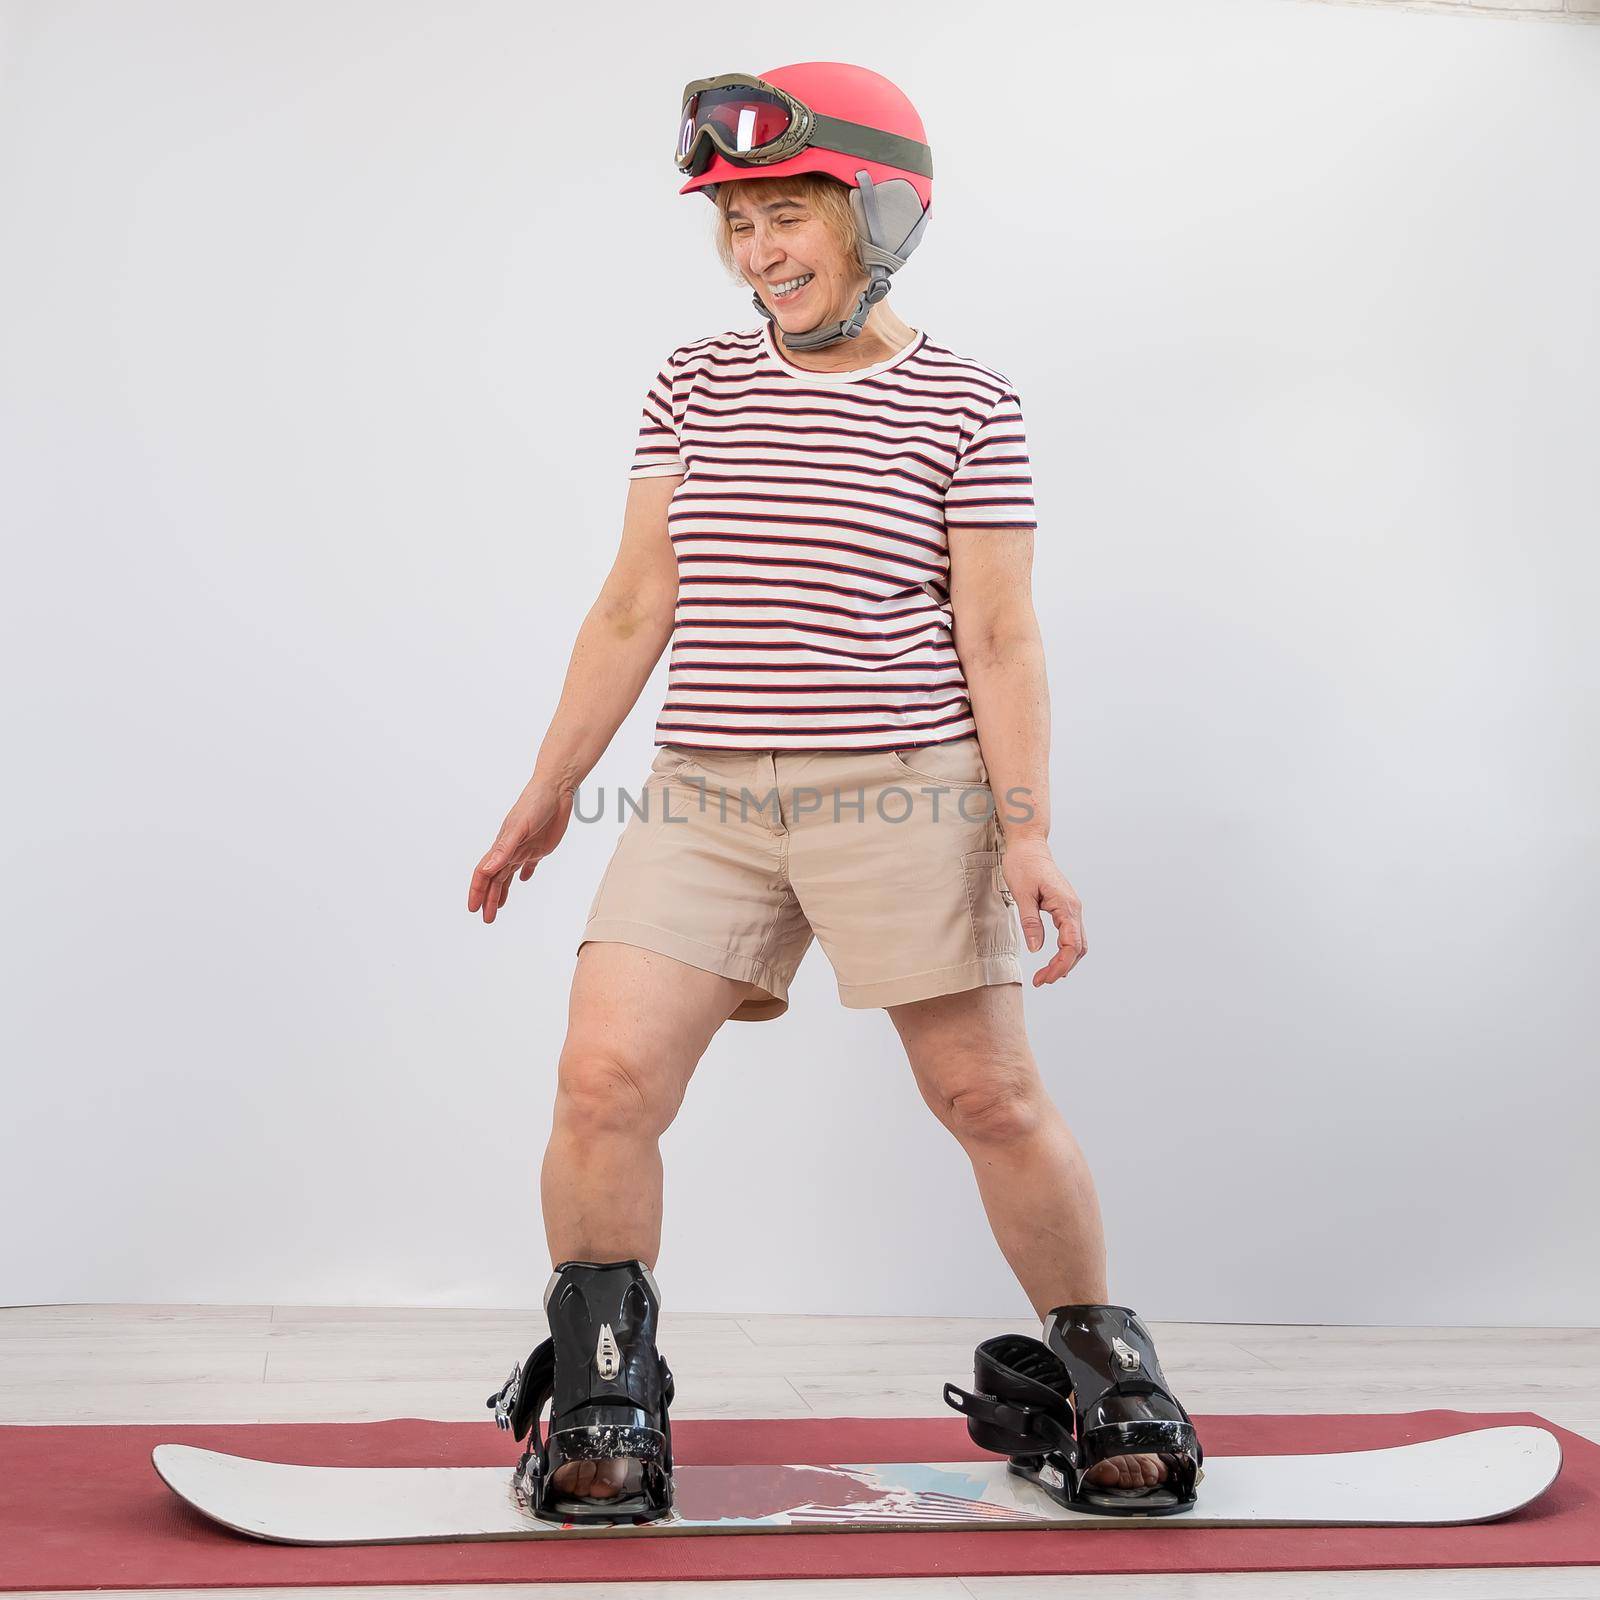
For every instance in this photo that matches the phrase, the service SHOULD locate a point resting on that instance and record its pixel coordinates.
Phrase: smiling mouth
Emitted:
(794, 292)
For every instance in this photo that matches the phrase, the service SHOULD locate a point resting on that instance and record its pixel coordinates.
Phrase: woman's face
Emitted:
(778, 240)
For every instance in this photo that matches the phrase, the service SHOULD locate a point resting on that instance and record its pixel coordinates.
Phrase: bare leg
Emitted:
(637, 1025)
(975, 1069)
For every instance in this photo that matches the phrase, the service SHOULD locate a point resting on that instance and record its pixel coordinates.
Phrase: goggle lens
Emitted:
(736, 120)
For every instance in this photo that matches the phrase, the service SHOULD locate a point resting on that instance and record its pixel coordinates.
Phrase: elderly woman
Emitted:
(830, 519)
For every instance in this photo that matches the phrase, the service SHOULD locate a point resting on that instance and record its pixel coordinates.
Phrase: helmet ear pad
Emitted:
(899, 214)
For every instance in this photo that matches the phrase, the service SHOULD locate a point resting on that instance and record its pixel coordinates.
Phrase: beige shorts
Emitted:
(731, 860)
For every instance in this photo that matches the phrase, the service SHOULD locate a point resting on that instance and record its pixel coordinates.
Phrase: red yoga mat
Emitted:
(82, 1508)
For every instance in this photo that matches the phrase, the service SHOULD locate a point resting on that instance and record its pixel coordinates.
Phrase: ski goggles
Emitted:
(752, 123)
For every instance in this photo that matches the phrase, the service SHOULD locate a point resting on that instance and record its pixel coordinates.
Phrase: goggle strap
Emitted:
(871, 144)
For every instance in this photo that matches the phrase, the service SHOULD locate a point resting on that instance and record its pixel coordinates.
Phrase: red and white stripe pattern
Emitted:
(813, 569)
(925, 1505)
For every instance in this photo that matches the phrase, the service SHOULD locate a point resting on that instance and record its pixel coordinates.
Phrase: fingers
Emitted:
(499, 889)
(491, 882)
(492, 901)
(1071, 944)
(482, 877)
(505, 858)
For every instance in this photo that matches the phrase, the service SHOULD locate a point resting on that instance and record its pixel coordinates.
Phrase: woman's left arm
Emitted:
(1002, 656)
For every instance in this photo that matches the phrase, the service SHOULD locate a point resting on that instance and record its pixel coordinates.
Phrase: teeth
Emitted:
(779, 290)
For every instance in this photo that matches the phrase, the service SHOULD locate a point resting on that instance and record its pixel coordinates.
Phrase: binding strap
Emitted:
(1139, 1386)
(1028, 1422)
(518, 1402)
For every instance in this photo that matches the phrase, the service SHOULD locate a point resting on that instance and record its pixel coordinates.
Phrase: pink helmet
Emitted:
(818, 116)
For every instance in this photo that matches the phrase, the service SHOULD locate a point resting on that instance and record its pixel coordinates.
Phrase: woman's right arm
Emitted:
(616, 650)
(621, 640)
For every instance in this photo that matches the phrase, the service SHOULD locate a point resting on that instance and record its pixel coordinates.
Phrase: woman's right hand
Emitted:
(532, 829)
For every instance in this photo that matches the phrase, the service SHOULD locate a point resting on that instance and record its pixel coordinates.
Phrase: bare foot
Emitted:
(596, 1480)
(1127, 1472)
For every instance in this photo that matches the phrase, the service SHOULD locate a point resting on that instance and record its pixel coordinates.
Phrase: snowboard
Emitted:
(1468, 1477)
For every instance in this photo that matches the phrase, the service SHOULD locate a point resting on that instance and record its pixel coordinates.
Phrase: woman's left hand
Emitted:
(1039, 887)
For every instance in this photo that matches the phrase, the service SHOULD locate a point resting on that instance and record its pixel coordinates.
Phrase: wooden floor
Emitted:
(95, 1364)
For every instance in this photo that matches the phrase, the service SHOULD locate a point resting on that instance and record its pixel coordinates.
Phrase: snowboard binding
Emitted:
(608, 1390)
(1093, 1389)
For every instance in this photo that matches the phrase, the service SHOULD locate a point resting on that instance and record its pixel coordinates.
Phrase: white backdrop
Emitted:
(323, 334)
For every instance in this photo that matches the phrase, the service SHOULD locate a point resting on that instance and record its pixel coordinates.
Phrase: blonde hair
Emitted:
(827, 196)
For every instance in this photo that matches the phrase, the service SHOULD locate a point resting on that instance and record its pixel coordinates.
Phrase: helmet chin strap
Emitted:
(890, 218)
(831, 332)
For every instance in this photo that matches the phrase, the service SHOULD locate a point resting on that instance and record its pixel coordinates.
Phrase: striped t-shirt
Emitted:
(813, 603)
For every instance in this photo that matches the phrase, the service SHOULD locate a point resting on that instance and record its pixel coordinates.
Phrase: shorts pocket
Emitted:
(994, 929)
(958, 763)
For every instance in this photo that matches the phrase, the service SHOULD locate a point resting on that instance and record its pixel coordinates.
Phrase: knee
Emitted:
(999, 1108)
(602, 1092)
